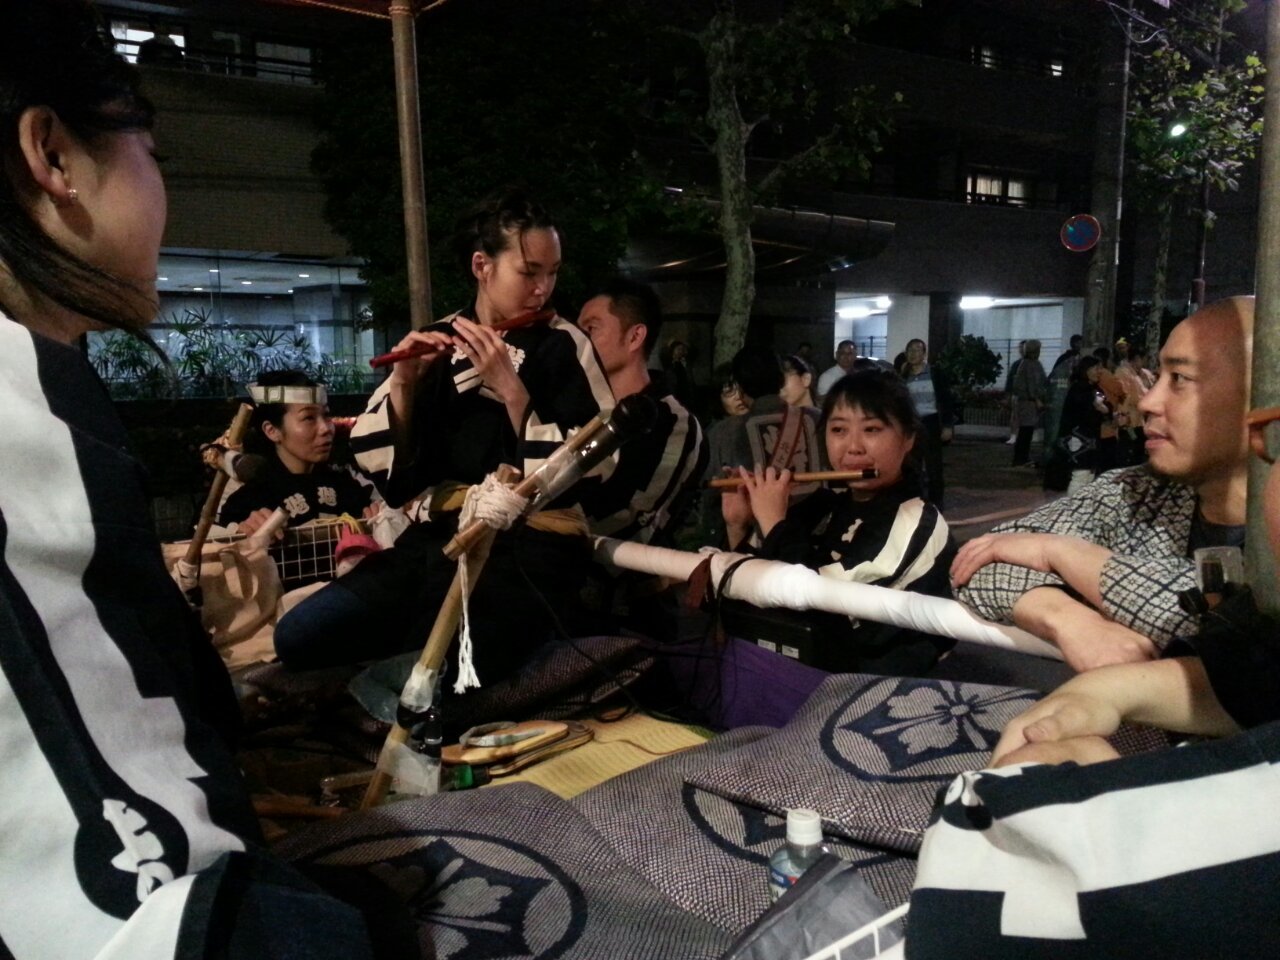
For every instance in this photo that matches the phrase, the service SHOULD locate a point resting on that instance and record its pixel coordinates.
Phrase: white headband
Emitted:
(273, 394)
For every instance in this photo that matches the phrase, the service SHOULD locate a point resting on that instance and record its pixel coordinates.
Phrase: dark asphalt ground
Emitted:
(981, 480)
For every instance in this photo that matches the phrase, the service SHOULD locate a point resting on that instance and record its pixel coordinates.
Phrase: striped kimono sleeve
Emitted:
(567, 387)
(909, 550)
(654, 473)
(116, 786)
(371, 440)
(1172, 854)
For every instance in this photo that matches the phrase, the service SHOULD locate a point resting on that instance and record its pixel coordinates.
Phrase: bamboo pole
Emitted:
(437, 646)
(235, 435)
(405, 44)
(1260, 567)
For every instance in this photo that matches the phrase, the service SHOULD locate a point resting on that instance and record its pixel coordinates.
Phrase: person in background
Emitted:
(1008, 392)
(931, 394)
(875, 531)
(675, 363)
(1135, 380)
(1068, 357)
(1029, 392)
(1083, 411)
(1113, 393)
(797, 382)
(845, 355)
(773, 433)
(128, 830)
(652, 482)
(1098, 573)
(293, 433)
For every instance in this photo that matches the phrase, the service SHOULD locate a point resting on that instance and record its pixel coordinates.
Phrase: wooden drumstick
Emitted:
(730, 483)
(235, 436)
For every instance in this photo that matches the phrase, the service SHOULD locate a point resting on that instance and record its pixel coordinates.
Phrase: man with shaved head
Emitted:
(1099, 573)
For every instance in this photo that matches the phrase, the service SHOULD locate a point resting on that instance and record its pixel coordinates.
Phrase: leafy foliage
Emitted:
(1219, 104)
(1183, 79)
(969, 365)
(767, 82)
(522, 94)
(208, 359)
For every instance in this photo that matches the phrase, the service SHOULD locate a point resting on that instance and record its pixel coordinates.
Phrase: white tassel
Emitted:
(498, 506)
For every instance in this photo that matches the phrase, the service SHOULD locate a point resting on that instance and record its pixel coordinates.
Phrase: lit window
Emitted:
(1055, 68)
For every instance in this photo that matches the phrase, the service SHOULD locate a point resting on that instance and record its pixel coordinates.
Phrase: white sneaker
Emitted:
(1011, 441)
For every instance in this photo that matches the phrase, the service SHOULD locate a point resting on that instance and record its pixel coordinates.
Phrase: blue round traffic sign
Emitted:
(1081, 232)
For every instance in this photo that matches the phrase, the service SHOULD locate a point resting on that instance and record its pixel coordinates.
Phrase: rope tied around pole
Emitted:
(499, 507)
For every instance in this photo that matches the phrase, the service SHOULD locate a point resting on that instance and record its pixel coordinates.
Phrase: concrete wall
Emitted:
(239, 174)
(970, 248)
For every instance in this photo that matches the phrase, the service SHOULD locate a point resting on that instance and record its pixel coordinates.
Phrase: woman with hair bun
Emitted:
(479, 394)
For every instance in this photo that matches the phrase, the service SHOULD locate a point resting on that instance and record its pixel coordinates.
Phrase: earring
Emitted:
(72, 194)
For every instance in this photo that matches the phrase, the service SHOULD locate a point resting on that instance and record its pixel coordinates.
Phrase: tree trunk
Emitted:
(725, 118)
(1160, 278)
(1108, 182)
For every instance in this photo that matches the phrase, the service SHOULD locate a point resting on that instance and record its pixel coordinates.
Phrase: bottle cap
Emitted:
(804, 827)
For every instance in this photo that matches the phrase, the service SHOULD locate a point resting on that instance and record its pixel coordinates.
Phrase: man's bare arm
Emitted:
(1086, 638)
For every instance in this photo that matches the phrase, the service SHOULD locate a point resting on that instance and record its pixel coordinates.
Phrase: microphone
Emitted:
(633, 417)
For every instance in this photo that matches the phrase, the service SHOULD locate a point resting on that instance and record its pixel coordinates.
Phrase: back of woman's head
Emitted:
(496, 224)
(1080, 372)
(757, 371)
(58, 54)
(877, 393)
(1032, 350)
(796, 364)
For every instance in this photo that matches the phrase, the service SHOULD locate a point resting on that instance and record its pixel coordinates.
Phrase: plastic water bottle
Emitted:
(798, 854)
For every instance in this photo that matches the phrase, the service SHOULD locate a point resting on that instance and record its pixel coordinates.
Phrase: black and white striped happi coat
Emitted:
(123, 821)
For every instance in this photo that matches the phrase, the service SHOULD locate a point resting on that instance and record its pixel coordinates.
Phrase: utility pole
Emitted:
(1260, 567)
(1108, 182)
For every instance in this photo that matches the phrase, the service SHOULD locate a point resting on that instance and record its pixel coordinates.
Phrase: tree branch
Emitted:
(784, 167)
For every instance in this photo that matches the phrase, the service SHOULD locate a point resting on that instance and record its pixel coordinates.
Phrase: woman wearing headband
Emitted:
(292, 434)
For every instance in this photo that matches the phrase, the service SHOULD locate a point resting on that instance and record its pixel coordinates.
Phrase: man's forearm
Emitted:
(1086, 638)
(1079, 563)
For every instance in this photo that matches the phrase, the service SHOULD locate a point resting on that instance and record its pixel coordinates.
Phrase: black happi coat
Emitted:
(895, 540)
(324, 492)
(125, 818)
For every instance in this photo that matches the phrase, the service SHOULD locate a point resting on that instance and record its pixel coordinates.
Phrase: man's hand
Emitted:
(1065, 714)
(1030, 550)
(946, 434)
(1081, 750)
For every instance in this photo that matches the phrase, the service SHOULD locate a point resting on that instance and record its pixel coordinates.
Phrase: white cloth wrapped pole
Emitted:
(771, 583)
